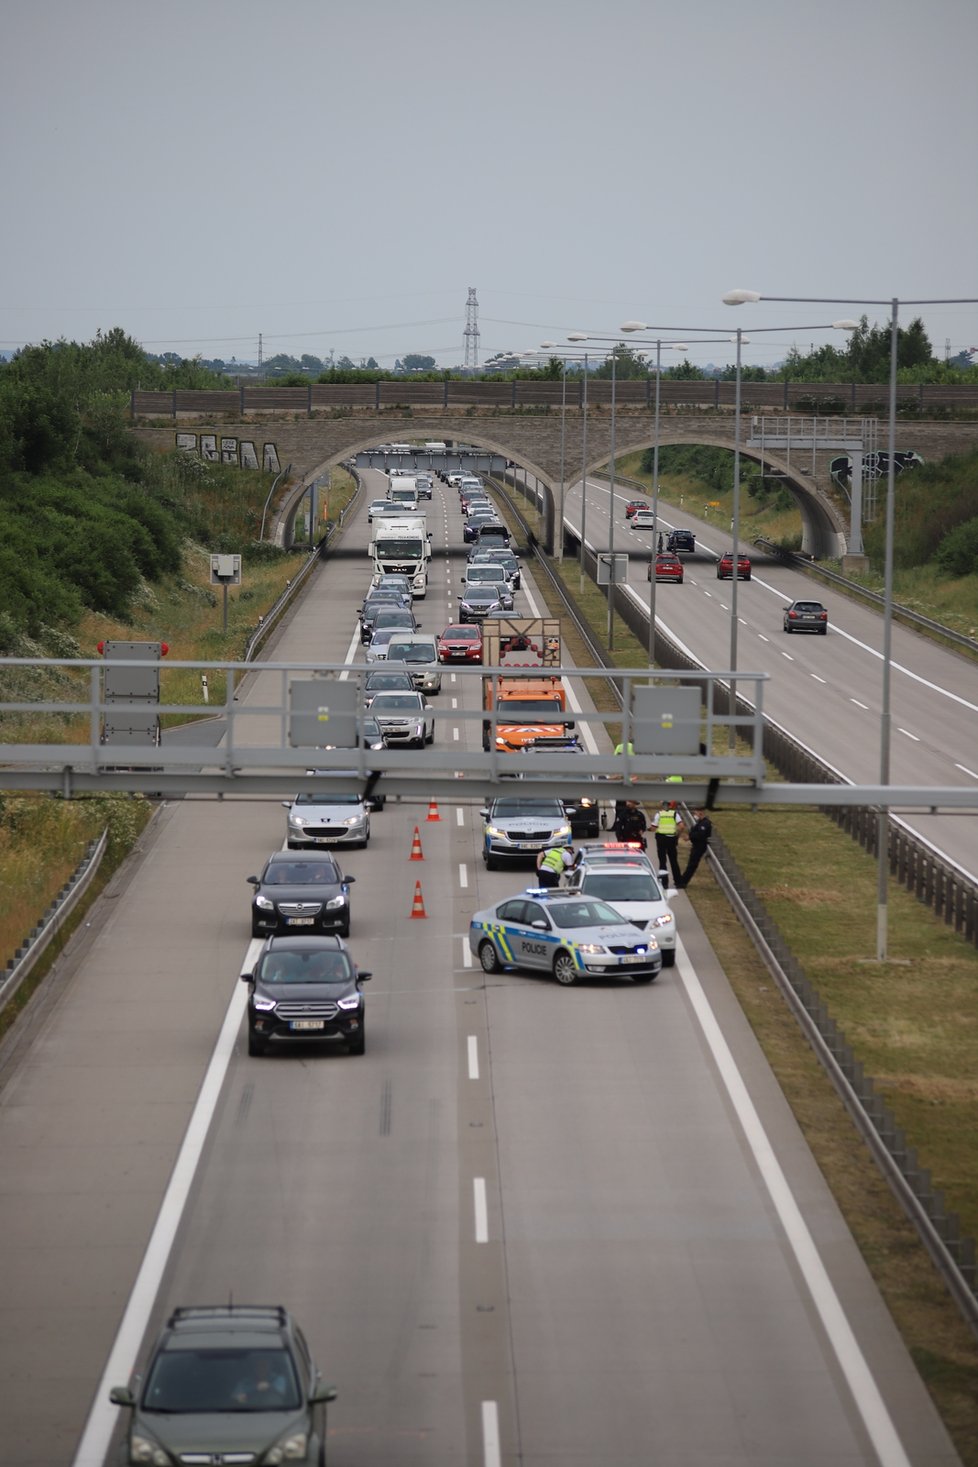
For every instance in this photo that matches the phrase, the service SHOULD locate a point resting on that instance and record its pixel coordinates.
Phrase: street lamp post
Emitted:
(745, 297)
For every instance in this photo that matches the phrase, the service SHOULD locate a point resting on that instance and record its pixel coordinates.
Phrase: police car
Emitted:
(570, 936)
(632, 889)
(521, 827)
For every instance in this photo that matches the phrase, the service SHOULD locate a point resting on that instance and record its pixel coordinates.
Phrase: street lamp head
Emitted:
(577, 336)
(845, 325)
(633, 326)
(546, 345)
(741, 297)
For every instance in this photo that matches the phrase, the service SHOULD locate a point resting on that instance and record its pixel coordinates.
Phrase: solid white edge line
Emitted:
(491, 1451)
(473, 1048)
(481, 1209)
(862, 1386)
(103, 1415)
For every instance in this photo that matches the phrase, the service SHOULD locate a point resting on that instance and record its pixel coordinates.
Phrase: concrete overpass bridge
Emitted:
(313, 431)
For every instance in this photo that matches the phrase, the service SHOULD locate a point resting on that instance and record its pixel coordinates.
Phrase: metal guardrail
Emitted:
(63, 905)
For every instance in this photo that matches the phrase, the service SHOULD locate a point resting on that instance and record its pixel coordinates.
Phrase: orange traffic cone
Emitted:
(433, 811)
(418, 908)
(417, 854)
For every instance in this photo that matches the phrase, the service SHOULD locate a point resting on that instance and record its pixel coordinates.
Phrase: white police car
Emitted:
(517, 826)
(570, 936)
(632, 889)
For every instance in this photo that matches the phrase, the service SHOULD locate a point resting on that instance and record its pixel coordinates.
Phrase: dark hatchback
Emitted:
(301, 893)
(806, 616)
(305, 988)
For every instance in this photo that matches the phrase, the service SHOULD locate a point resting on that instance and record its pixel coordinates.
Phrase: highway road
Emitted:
(531, 1225)
(825, 691)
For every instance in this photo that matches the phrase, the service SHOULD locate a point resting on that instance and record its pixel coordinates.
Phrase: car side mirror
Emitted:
(540, 925)
(286, 804)
(253, 881)
(363, 975)
(247, 977)
(321, 1393)
(349, 880)
(122, 1396)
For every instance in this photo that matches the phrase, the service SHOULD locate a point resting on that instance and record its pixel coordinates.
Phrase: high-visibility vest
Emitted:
(553, 860)
(666, 823)
(620, 748)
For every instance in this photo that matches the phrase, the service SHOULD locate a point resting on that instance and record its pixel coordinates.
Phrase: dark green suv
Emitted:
(228, 1383)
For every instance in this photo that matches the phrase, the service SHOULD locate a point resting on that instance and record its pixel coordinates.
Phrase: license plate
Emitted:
(635, 958)
(300, 921)
(307, 1024)
(525, 845)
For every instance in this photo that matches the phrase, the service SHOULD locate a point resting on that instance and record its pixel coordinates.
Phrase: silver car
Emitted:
(493, 576)
(478, 602)
(327, 818)
(570, 936)
(405, 719)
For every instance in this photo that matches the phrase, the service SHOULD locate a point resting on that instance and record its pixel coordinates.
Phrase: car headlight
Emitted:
(297, 820)
(587, 804)
(264, 903)
(665, 920)
(349, 1003)
(291, 1448)
(141, 1449)
(353, 820)
(590, 949)
(496, 833)
(561, 830)
(336, 901)
(264, 1005)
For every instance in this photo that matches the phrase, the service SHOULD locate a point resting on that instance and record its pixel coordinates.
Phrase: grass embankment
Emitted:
(912, 1022)
(42, 839)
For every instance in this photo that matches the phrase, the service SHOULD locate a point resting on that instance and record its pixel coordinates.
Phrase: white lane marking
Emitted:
(816, 677)
(351, 652)
(787, 657)
(473, 1046)
(463, 874)
(761, 637)
(102, 1417)
(454, 702)
(864, 1390)
(459, 815)
(908, 734)
(965, 770)
(481, 1210)
(858, 704)
(491, 1450)
(466, 952)
(455, 734)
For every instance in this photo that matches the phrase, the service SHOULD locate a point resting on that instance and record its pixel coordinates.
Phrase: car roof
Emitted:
(301, 858)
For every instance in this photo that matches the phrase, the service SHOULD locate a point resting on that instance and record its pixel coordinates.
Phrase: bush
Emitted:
(957, 553)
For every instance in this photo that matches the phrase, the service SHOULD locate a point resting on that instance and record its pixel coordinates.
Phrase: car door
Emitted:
(531, 945)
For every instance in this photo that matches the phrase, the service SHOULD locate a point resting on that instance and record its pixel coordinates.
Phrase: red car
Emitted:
(460, 642)
(633, 505)
(667, 568)
(725, 567)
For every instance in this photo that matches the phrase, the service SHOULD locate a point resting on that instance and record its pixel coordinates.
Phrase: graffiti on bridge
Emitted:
(875, 466)
(238, 451)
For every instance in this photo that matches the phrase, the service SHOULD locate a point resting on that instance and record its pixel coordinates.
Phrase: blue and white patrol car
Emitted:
(569, 935)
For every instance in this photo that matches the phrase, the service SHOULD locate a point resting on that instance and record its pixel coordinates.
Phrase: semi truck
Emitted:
(530, 702)
(403, 490)
(401, 545)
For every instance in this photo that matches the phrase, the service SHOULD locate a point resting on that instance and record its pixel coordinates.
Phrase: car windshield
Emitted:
(619, 886)
(393, 617)
(386, 701)
(584, 914)
(480, 595)
(486, 573)
(808, 606)
(462, 634)
(301, 873)
(516, 809)
(546, 707)
(310, 967)
(208, 1380)
(329, 797)
(412, 652)
(379, 681)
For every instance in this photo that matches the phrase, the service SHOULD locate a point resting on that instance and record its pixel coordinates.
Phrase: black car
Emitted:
(305, 988)
(373, 608)
(479, 602)
(681, 540)
(227, 1383)
(295, 892)
(806, 616)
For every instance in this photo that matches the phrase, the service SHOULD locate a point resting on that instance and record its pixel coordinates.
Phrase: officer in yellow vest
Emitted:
(550, 866)
(667, 825)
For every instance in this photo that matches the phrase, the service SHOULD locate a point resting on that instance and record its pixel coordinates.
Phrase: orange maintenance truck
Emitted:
(530, 701)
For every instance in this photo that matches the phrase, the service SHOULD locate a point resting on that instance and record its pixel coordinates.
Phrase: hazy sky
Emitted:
(335, 174)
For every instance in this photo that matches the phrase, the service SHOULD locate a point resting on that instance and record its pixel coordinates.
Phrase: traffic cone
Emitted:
(417, 854)
(433, 811)
(418, 908)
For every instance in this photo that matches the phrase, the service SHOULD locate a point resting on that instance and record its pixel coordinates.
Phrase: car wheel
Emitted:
(669, 957)
(431, 737)
(255, 929)
(358, 1044)
(564, 970)
(787, 628)
(491, 863)
(489, 958)
(345, 931)
(822, 631)
(747, 577)
(643, 977)
(256, 1046)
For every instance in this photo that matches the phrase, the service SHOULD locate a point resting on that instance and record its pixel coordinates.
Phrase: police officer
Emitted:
(667, 825)
(550, 866)
(699, 838)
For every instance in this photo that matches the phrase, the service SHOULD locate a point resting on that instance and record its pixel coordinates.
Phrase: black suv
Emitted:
(227, 1383)
(681, 540)
(305, 988)
(301, 891)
